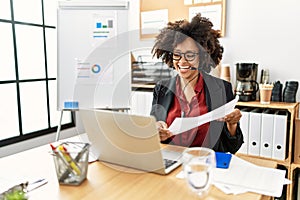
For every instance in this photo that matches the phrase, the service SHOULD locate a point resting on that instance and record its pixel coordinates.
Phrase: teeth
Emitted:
(184, 67)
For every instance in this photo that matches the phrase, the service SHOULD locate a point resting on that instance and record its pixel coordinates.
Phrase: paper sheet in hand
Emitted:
(180, 125)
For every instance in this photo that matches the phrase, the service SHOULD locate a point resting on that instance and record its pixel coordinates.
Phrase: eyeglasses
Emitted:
(188, 56)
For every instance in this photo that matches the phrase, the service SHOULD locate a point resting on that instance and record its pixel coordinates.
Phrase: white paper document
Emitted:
(242, 176)
(180, 125)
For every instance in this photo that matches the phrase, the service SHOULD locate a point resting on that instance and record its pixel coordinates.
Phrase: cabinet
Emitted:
(295, 168)
(149, 72)
(295, 186)
(141, 99)
(292, 109)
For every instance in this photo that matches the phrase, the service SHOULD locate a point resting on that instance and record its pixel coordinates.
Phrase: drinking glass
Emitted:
(198, 163)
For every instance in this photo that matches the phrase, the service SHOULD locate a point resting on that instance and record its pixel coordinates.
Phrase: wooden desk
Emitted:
(106, 181)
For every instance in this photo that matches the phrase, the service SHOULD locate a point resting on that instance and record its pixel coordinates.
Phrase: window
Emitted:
(28, 71)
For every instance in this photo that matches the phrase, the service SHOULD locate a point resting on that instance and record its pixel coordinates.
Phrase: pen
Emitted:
(77, 158)
(38, 183)
(61, 157)
(69, 159)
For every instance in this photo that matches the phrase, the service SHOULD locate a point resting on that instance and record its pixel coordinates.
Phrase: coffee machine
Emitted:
(246, 85)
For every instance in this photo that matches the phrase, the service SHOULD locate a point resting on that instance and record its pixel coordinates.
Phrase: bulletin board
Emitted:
(155, 14)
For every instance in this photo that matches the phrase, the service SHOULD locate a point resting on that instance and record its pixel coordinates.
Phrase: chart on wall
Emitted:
(93, 58)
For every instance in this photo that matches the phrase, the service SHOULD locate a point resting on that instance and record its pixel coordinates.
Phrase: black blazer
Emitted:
(217, 93)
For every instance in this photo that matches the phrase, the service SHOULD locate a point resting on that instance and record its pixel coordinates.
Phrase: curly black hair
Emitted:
(200, 29)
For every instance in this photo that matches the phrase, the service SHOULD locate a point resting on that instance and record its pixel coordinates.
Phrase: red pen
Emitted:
(52, 147)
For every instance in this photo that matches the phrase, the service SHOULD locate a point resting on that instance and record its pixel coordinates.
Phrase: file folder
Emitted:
(254, 131)
(244, 125)
(267, 125)
(280, 134)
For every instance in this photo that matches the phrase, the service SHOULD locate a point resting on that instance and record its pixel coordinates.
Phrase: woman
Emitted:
(192, 49)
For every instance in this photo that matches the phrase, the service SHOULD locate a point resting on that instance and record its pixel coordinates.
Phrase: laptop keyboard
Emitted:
(169, 163)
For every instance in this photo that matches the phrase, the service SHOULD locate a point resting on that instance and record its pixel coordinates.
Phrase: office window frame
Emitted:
(45, 80)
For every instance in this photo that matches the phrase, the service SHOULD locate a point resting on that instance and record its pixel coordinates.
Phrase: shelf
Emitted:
(275, 105)
(285, 162)
(293, 109)
(142, 87)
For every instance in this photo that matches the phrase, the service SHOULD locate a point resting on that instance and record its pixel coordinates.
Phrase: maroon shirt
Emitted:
(196, 107)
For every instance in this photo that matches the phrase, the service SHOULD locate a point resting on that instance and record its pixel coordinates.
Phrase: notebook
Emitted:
(129, 140)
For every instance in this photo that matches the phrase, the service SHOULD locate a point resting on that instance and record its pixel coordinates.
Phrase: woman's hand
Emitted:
(232, 119)
(164, 133)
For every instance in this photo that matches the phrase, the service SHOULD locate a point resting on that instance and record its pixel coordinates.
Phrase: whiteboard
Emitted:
(93, 58)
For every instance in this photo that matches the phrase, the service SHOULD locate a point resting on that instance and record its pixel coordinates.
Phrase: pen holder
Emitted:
(71, 162)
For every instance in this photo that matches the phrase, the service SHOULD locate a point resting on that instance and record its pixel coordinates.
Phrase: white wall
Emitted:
(265, 32)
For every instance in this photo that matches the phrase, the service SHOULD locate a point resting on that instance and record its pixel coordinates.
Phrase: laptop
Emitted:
(129, 140)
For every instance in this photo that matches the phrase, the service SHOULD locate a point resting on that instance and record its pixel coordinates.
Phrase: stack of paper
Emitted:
(242, 176)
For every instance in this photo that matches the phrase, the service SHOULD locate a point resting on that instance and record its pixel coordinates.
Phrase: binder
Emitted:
(244, 125)
(266, 138)
(254, 131)
(280, 134)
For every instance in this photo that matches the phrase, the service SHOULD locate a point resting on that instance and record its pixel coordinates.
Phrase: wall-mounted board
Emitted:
(155, 14)
(93, 58)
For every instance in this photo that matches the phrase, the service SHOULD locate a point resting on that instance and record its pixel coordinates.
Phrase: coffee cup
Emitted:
(265, 93)
(225, 72)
